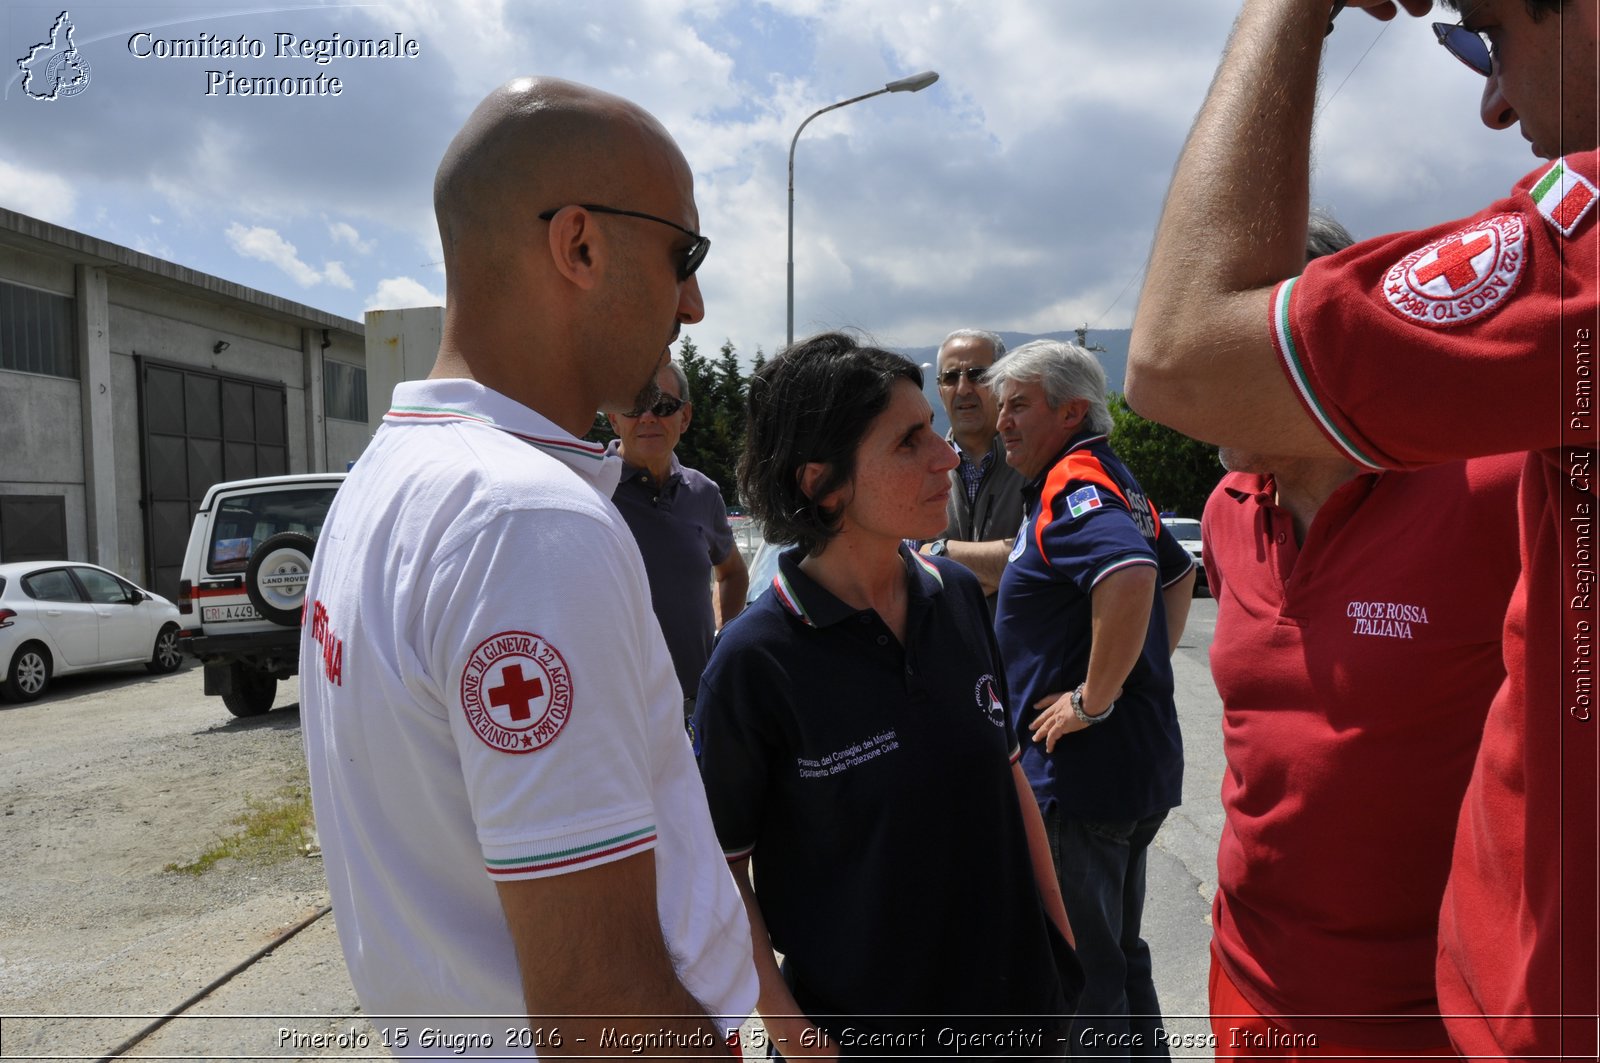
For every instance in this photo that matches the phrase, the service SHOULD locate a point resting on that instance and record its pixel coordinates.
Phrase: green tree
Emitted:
(1177, 472)
(715, 438)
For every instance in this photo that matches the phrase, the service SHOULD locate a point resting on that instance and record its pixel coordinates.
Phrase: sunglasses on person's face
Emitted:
(664, 407)
(692, 256)
(1469, 46)
(974, 374)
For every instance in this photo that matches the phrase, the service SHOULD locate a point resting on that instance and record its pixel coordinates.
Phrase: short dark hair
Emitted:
(1537, 9)
(812, 403)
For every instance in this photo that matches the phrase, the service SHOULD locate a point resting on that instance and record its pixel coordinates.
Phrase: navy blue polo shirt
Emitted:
(1087, 518)
(681, 526)
(872, 785)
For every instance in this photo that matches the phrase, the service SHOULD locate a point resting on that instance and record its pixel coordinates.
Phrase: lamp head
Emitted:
(914, 83)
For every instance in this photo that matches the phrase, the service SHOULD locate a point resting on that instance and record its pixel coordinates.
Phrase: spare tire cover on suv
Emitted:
(276, 578)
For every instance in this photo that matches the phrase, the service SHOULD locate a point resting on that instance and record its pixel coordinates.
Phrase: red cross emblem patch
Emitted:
(1460, 277)
(516, 692)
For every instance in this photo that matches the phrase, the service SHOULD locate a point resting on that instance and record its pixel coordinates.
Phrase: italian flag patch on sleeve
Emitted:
(1564, 197)
(1082, 501)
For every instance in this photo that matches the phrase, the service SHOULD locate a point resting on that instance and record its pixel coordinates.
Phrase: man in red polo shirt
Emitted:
(1356, 650)
(1469, 338)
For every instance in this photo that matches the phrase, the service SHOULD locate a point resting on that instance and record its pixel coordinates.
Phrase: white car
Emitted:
(1187, 531)
(59, 617)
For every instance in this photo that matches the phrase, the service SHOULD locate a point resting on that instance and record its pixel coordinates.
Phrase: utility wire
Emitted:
(1329, 99)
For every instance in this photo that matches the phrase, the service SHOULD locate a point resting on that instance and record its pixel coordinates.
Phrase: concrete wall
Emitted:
(401, 345)
(41, 446)
(41, 417)
(345, 440)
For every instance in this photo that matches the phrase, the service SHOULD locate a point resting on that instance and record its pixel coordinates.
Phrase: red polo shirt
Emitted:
(1479, 337)
(1355, 671)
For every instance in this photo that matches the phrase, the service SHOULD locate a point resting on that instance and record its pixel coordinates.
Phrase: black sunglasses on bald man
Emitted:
(692, 257)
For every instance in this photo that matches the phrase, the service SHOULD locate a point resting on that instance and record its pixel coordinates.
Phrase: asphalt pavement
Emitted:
(1183, 861)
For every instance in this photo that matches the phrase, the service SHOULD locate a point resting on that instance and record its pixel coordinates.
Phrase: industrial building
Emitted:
(129, 385)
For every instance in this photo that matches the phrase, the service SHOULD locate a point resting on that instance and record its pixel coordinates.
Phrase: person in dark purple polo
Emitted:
(678, 517)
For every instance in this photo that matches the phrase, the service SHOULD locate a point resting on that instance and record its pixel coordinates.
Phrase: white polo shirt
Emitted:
(486, 696)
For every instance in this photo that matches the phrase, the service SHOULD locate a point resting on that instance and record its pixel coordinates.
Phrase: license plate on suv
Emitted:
(217, 614)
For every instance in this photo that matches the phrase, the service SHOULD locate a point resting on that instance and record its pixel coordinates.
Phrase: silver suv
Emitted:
(244, 580)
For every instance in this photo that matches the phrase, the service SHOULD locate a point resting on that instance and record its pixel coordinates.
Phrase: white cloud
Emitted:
(343, 232)
(266, 245)
(398, 293)
(335, 275)
(43, 195)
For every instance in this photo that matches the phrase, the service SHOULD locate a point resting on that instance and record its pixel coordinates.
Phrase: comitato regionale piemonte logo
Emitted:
(55, 69)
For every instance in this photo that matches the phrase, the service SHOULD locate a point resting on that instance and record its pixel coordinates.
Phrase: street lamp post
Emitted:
(914, 83)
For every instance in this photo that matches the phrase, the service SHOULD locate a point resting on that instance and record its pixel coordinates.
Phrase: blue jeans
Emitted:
(1101, 868)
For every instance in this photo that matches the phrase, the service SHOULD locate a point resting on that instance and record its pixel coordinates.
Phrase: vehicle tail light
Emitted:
(5, 617)
(185, 596)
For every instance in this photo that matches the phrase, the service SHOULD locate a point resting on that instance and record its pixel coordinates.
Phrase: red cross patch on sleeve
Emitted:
(1461, 277)
(516, 691)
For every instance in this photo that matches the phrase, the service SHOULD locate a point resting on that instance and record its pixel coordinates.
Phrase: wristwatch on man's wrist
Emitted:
(1077, 708)
(937, 548)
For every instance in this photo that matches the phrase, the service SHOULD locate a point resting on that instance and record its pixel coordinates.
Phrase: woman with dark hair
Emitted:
(855, 744)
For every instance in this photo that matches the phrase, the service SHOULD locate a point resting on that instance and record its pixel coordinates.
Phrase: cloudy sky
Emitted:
(1018, 193)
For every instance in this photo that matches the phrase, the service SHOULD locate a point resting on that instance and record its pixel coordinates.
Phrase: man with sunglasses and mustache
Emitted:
(985, 506)
(1472, 337)
(515, 835)
(680, 522)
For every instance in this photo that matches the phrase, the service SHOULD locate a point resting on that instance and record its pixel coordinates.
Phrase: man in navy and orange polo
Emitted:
(1087, 636)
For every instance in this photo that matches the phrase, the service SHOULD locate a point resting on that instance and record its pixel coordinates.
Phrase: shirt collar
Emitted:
(997, 449)
(635, 472)
(1081, 441)
(1244, 486)
(468, 402)
(809, 602)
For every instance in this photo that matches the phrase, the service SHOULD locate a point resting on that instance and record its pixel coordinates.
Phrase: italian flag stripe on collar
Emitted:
(790, 600)
(927, 566)
(1564, 197)
(577, 447)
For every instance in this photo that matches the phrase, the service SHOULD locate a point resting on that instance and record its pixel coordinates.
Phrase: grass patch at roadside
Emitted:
(270, 830)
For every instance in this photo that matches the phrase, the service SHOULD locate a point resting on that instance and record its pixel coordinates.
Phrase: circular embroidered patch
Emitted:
(516, 692)
(989, 700)
(1460, 277)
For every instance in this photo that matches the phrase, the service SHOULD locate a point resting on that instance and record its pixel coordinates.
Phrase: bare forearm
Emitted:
(987, 560)
(593, 960)
(1044, 871)
(1119, 610)
(1119, 617)
(732, 584)
(673, 1023)
(1234, 225)
(1176, 598)
(787, 1027)
(730, 597)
